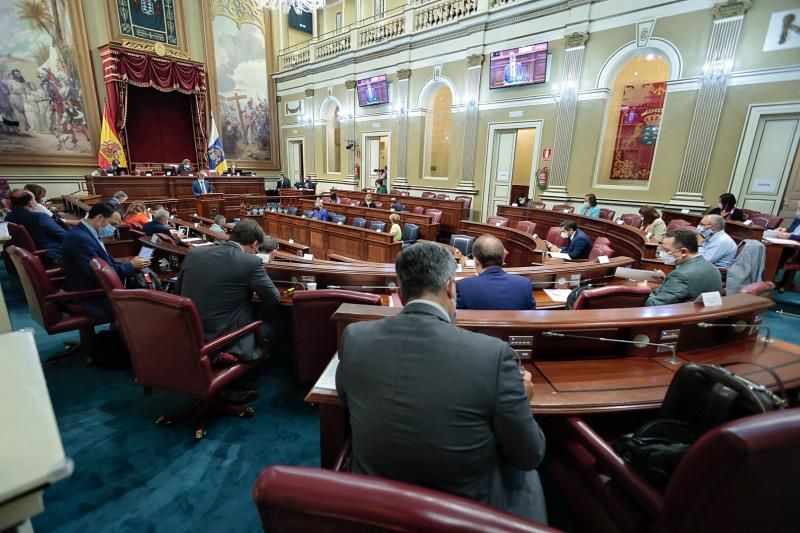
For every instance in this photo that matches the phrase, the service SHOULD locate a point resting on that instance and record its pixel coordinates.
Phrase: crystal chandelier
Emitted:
(299, 6)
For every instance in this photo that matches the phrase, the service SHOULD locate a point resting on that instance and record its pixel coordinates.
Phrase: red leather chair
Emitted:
(404, 193)
(466, 201)
(436, 215)
(378, 205)
(766, 221)
(679, 223)
(497, 221)
(607, 214)
(168, 350)
(612, 297)
(418, 210)
(314, 333)
(632, 219)
(428, 194)
(356, 203)
(599, 249)
(602, 240)
(749, 213)
(297, 499)
(442, 196)
(53, 308)
(527, 226)
(760, 288)
(563, 208)
(718, 486)
(539, 205)
(22, 239)
(554, 236)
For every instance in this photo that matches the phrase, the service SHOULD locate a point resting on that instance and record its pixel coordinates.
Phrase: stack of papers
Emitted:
(195, 245)
(558, 295)
(327, 380)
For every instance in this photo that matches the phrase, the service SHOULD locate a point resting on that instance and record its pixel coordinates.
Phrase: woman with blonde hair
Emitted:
(395, 231)
(136, 214)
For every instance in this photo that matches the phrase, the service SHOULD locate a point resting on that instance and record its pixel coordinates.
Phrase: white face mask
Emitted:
(107, 230)
(587, 204)
(667, 258)
(564, 235)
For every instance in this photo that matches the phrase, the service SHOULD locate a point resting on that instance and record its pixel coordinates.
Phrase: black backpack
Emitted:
(144, 279)
(700, 397)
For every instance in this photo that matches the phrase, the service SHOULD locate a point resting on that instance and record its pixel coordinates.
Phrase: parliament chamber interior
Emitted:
(389, 265)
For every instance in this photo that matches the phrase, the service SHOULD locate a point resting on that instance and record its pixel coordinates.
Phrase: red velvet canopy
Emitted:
(122, 67)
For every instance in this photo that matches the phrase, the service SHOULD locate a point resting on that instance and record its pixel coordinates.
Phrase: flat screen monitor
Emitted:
(373, 91)
(302, 21)
(525, 65)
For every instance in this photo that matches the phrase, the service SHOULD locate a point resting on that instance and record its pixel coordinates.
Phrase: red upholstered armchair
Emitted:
(679, 223)
(612, 297)
(22, 239)
(741, 476)
(418, 210)
(527, 226)
(466, 201)
(436, 215)
(766, 221)
(631, 219)
(759, 288)
(554, 236)
(297, 499)
(563, 208)
(428, 194)
(54, 309)
(497, 221)
(442, 196)
(314, 333)
(538, 205)
(607, 214)
(599, 249)
(164, 335)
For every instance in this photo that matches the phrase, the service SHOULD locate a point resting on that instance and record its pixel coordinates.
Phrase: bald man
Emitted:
(493, 288)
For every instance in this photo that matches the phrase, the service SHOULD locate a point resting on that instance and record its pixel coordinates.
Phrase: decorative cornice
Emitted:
(154, 48)
(404, 74)
(350, 84)
(309, 93)
(576, 40)
(732, 8)
(474, 60)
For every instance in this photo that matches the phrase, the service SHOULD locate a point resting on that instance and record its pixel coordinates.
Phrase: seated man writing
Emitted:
(580, 245)
(159, 226)
(493, 288)
(440, 406)
(693, 274)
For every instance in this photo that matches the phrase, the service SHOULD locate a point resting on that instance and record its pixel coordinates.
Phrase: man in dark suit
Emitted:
(221, 280)
(118, 201)
(159, 225)
(201, 185)
(397, 206)
(440, 406)
(46, 234)
(493, 288)
(284, 183)
(579, 243)
(185, 168)
(82, 244)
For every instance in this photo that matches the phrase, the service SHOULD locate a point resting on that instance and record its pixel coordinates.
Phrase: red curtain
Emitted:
(637, 131)
(161, 129)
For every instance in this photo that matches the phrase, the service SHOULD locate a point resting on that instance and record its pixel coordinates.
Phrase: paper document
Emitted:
(201, 244)
(558, 295)
(328, 378)
(787, 242)
(191, 239)
(771, 234)
(559, 255)
(637, 274)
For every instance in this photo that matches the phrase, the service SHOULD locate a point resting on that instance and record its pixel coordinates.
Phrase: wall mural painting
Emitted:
(245, 95)
(150, 20)
(42, 106)
(637, 131)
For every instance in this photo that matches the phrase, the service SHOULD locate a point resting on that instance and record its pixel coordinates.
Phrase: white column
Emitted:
(350, 85)
(311, 149)
(708, 108)
(401, 167)
(471, 99)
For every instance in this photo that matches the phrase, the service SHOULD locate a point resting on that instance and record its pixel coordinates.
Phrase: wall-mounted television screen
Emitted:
(518, 66)
(301, 21)
(373, 91)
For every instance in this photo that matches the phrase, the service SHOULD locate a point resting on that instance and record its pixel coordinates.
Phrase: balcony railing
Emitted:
(421, 16)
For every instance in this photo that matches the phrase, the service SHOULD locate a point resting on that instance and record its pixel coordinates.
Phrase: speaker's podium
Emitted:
(209, 205)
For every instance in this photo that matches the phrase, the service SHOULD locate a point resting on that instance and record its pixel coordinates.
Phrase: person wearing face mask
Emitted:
(580, 245)
(158, 226)
(223, 296)
(82, 244)
(727, 208)
(589, 207)
(319, 213)
(46, 234)
(717, 246)
(693, 275)
(441, 407)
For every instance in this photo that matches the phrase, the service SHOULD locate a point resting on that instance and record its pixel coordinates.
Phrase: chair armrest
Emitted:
(72, 295)
(219, 342)
(615, 467)
(342, 463)
(52, 272)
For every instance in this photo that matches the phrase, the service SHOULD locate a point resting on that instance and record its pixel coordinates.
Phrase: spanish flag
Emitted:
(216, 155)
(110, 147)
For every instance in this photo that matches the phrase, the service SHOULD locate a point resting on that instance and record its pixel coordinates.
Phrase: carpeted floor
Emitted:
(131, 475)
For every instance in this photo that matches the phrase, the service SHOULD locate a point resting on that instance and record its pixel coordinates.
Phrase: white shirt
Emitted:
(42, 209)
(442, 310)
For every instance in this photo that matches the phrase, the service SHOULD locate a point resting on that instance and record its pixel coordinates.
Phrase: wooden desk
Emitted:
(427, 228)
(625, 240)
(453, 211)
(327, 237)
(576, 377)
(291, 248)
(521, 246)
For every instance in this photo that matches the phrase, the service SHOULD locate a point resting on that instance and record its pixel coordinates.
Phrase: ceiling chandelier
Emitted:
(299, 6)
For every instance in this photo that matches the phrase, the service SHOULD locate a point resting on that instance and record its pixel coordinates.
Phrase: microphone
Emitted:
(294, 284)
(739, 327)
(357, 287)
(640, 341)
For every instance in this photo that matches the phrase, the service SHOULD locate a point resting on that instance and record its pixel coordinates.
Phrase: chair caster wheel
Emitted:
(163, 421)
(247, 413)
(199, 434)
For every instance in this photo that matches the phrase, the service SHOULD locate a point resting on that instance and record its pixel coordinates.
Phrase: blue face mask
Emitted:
(704, 232)
(107, 231)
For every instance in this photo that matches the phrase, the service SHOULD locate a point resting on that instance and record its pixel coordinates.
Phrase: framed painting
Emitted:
(149, 26)
(241, 89)
(48, 103)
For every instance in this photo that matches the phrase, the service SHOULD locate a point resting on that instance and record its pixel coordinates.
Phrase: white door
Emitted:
(502, 170)
(376, 157)
(295, 161)
(769, 164)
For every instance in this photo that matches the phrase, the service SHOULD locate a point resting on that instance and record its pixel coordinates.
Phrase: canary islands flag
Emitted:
(216, 155)
(110, 147)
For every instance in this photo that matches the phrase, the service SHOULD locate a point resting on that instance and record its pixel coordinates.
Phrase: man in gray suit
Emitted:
(221, 280)
(436, 405)
(693, 274)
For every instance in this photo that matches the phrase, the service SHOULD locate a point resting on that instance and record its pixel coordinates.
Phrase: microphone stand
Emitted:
(766, 339)
(672, 359)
